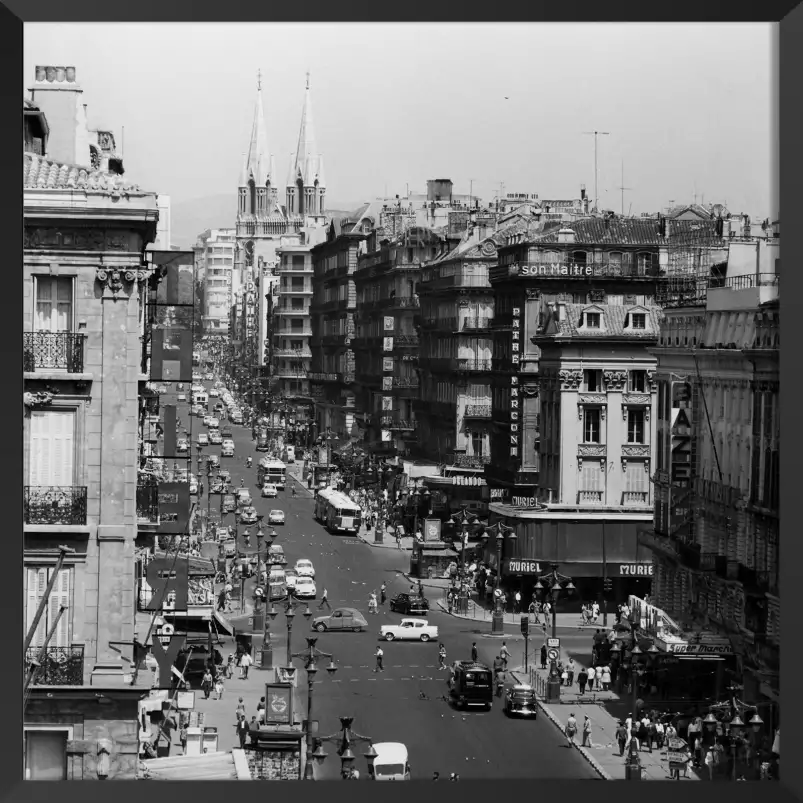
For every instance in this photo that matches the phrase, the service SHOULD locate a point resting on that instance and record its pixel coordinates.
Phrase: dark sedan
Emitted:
(520, 701)
(409, 605)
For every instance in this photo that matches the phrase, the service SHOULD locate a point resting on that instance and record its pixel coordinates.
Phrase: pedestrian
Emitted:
(182, 737)
(245, 663)
(594, 611)
(564, 677)
(592, 675)
(382, 594)
(571, 729)
(206, 684)
(379, 656)
(242, 730)
(240, 711)
(219, 687)
(570, 671)
(474, 652)
(450, 600)
(261, 706)
(710, 762)
(442, 656)
(505, 653)
(324, 601)
(543, 656)
(644, 733)
(659, 733)
(436, 776)
(582, 680)
(517, 602)
(587, 732)
(221, 600)
(372, 603)
(621, 737)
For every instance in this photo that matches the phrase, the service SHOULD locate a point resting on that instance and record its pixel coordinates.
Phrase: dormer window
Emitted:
(638, 320)
(593, 320)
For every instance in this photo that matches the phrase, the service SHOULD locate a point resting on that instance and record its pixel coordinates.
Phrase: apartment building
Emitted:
(86, 230)
(216, 261)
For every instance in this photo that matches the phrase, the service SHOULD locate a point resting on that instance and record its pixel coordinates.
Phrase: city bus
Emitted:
(337, 512)
(272, 470)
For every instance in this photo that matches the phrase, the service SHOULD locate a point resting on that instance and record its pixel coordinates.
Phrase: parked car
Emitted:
(225, 432)
(409, 605)
(182, 397)
(197, 409)
(221, 533)
(269, 490)
(305, 588)
(305, 568)
(520, 700)
(193, 485)
(340, 619)
(276, 575)
(409, 630)
(248, 515)
(276, 555)
(276, 517)
(229, 503)
(290, 578)
(203, 439)
(277, 590)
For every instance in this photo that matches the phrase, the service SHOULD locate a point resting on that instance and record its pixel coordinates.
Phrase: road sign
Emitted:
(498, 593)
(553, 642)
(552, 655)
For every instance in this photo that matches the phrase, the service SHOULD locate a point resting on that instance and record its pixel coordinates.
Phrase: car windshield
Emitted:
(305, 581)
(388, 769)
(478, 679)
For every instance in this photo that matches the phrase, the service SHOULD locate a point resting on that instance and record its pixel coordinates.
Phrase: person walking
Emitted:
(543, 656)
(570, 671)
(379, 657)
(382, 595)
(242, 730)
(504, 652)
(582, 680)
(606, 678)
(587, 732)
(517, 602)
(372, 603)
(219, 686)
(441, 656)
(571, 730)
(474, 652)
(206, 684)
(240, 711)
(660, 732)
(324, 601)
(592, 674)
(245, 662)
(621, 737)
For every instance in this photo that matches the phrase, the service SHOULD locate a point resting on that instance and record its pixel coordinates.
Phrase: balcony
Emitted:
(62, 666)
(439, 324)
(394, 423)
(47, 504)
(306, 332)
(460, 460)
(635, 498)
(53, 351)
(445, 277)
(147, 503)
(471, 365)
(298, 354)
(476, 324)
(477, 411)
(590, 497)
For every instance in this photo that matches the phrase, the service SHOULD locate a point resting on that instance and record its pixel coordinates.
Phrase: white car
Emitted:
(203, 439)
(305, 588)
(206, 419)
(269, 490)
(182, 446)
(248, 515)
(214, 437)
(304, 568)
(409, 630)
(276, 517)
(290, 579)
(214, 423)
(209, 377)
(182, 397)
(227, 448)
(213, 393)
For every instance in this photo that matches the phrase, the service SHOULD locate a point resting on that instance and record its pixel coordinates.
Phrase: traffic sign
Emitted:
(552, 654)
(553, 642)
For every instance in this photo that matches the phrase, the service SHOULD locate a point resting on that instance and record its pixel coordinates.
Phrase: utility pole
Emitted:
(596, 135)
(623, 188)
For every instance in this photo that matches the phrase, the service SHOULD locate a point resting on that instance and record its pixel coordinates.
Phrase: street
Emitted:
(406, 701)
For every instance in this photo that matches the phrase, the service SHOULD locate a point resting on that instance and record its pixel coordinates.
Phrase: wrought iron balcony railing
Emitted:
(474, 324)
(147, 503)
(393, 422)
(478, 411)
(62, 666)
(53, 351)
(49, 504)
(470, 460)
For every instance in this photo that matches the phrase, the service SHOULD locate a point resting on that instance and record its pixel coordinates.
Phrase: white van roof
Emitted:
(390, 753)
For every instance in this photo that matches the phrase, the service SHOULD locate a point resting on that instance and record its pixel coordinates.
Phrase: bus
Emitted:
(337, 512)
(272, 470)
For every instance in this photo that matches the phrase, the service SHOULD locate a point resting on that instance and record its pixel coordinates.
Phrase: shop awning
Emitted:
(243, 625)
(221, 623)
(218, 766)
(198, 566)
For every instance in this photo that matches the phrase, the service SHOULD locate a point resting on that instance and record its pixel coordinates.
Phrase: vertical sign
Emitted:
(681, 469)
(515, 410)
(387, 364)
(387, 343)
(432, 530)
(174, 507)
(171, 355)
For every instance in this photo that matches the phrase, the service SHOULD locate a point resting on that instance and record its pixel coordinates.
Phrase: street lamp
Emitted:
(311, 668)
(344, 740)
(463, 519)
(554, 583)
(290, 607)
(420, 494)
(503, 531)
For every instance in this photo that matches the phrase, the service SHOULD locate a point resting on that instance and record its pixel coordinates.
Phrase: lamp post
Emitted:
(290, 607)
(554, 584)
(309, 655)
(503, 531)
(344, 741)
(419, 494)
(463, 519)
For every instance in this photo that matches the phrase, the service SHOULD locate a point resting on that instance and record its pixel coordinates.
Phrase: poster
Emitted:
(432, 530)
(279, 708)
(389, 323)
(388, 344)
(387, 363)
(387, 383)
(387, 402)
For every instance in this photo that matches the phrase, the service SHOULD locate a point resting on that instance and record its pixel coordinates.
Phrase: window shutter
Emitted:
(60, 596)
(52, 448)
(592, 475)
(35, 589)
(636, 477)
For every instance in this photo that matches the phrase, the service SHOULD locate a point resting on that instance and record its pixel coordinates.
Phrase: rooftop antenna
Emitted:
(596, 135)
(694, 194)
(470, 192)
(623, 188)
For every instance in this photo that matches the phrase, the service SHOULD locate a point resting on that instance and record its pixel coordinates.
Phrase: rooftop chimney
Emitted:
(567, 235)
(57, 94)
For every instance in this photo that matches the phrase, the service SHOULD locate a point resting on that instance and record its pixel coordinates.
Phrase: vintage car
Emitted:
(520, 701)
(225, 432)
(221, 533)
(182, 445)
(409, 630)
(214, 422)
(269, 490)
(304, 568)
(409, 604)
(290, 577)
(214, 437)
(305, 588)
(230, 546)
(248, 515)
(224, 475)
(243, 497)
(227, 448)
(229, 503)
(217, 486)
(470, 683)
(276, 575)
(277, 590)
(206, 420)
(276, 517)
(276, 556)
(203, 439)
(340, 619)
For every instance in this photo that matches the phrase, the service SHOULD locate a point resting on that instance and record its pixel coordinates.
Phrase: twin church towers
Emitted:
(263, 197)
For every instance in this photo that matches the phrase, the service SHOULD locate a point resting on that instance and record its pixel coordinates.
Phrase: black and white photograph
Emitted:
(401, 401)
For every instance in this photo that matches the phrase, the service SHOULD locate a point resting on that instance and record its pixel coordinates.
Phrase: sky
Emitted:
(688, 107)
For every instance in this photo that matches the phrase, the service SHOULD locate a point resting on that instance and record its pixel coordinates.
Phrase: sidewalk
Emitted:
(295, 471)
(388, 542)
(477, 613)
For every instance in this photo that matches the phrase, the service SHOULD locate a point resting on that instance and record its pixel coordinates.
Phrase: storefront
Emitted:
(588, 547)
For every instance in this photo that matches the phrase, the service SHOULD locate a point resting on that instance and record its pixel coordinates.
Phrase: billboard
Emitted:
(174, 507)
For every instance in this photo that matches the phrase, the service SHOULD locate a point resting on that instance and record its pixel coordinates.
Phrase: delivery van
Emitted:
(391, 763)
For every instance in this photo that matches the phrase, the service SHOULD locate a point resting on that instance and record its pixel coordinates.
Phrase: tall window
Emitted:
(592, 481)
(593, 320)
(52, 437)
(637, 381)
(54, 304)
(591, 425)
(297, 324)
(592, 380)
(637, 479)
(635, 426)
(37, 580)
(298, 283)
(476, 443)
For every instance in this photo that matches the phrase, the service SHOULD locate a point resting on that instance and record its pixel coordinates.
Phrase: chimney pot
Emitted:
(71, 74)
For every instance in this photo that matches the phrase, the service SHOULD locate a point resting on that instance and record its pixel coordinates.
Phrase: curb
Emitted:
(383, 545)
(556, 722)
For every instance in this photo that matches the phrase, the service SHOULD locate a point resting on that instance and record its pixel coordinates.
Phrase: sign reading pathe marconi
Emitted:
(514, 382)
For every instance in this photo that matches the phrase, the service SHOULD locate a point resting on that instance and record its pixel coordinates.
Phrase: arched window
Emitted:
(252, 197)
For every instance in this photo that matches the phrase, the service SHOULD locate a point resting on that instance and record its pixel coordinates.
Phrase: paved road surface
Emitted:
(404, 703)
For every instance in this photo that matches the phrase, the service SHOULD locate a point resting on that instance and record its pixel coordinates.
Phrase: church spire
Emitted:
(306, 182)
(257, 163)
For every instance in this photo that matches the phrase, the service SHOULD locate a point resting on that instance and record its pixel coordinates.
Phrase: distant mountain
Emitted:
(191, 218)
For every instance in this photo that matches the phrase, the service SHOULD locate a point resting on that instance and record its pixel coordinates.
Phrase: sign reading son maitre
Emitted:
(514, 383)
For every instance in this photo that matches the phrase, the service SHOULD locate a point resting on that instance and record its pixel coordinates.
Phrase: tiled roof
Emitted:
(614, 321)
(630, 231)
(41, 173)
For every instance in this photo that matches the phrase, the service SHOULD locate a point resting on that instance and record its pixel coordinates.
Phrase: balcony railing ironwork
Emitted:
(478, 411)
(49, 504)
(461, 460)
(53, 351)
(474, 324)
(62, 666)
(393, 422)
(635, 497)
(147, 503)
(405, 340)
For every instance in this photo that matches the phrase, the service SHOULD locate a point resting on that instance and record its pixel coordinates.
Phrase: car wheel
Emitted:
(320, 627)
(356, 629)
(424, 637)
(389, 636)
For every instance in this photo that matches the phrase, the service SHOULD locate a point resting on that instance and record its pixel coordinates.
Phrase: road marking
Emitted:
(398, 666)
(374, 679)
(348, 667)
(355, 680)
(413, 666)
